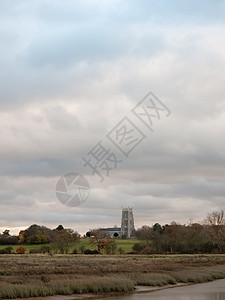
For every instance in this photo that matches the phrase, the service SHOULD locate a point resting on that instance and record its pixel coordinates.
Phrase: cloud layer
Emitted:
(71, 71)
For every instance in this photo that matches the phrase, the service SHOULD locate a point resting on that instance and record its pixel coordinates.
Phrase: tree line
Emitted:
(207, 237)
(59, 238)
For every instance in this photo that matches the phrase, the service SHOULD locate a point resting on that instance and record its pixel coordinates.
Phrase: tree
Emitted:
(157, 228)
(216, 218)
(21, 250)
(157, 231)
(111, 247)
(8, 239)
(215, 230)
(194, 239)
(21, 237)
(63, 239)
(88, 234)
(59, 227)
(144, 233)
(171, 239)
(6, 232)
(36, 234)
(100, 239)
(82, 249)
(138, 247)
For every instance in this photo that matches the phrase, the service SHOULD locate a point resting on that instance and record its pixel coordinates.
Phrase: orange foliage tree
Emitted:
(100, 239)
(21, 250)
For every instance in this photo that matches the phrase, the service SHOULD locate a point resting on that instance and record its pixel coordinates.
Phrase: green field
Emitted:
(125, 244)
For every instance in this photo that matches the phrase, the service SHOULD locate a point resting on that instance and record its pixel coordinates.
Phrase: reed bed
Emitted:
(24, 276)
(66, 287)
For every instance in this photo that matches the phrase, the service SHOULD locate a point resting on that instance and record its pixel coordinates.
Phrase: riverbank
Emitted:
(23, 276)
(137, 290)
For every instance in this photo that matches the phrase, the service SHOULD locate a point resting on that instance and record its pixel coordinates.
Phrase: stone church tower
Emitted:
(127, 222)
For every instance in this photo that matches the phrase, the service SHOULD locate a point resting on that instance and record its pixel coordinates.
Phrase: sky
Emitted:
(71, 71)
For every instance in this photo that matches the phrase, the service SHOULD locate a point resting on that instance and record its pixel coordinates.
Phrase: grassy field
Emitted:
(125, 244)
(44, 275)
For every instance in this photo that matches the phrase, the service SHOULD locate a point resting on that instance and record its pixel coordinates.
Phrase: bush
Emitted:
(111, 248)
(121, 250)
(7, 250)
(21, 250)
(8, 240)
(45, 249)
(138, 247)
(148, 250)
(75, 251)
(82, 249)
(89, 251)
(35, 251)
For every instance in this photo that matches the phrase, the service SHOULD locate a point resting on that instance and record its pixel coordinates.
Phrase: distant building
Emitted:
(113, 232)
(127, 223)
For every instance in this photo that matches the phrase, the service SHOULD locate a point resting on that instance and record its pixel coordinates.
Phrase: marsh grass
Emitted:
(198, 276)
(154, 279)
(23, 276)
(110, 284)
(66, 287)
(185, 276)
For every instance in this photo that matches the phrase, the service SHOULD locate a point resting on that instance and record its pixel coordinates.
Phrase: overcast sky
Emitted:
(72, 70)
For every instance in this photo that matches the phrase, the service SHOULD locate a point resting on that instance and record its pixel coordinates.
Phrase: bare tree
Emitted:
(215, 230)
(216, 218)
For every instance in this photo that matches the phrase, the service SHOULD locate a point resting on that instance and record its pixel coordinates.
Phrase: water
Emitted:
(205, 291)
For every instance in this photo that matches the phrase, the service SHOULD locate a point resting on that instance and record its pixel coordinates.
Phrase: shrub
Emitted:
(7, 250)
(111, 248)
(89, 251)
(148, 250)
(21, 250)
(75, 251)
(8, 240)
(121, 250)
(138, 247)
(82, 249)
(35, 251)
(45, 249)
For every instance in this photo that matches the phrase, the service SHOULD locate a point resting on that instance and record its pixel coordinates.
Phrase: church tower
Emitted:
(127, 222)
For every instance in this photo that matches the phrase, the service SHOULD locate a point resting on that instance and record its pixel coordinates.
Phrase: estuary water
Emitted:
(214, 290)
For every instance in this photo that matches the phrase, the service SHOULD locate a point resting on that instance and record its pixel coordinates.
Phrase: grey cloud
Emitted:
(60, 119)
(207, 188)
(71, 72)
(42, 167)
